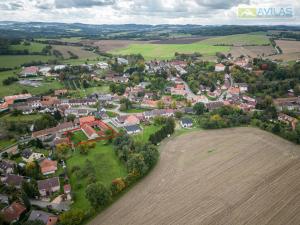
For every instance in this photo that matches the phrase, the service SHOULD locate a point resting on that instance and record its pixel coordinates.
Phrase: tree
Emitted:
(136, 164)
(83, 149)
(62, 150)
(25, 200)
(71, 118)
(109, 135)
(199, 108)
(117, 185)
(30, 188)
(46, 121)
(160, 104)
(72, 217)
(98, 195)
(57, 115)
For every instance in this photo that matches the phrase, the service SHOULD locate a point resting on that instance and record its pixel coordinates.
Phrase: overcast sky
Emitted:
(141, 11)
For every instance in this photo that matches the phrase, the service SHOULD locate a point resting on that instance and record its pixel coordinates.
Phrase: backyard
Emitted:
(106, 168)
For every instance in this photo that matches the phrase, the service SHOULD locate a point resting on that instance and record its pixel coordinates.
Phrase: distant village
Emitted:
(101, 116)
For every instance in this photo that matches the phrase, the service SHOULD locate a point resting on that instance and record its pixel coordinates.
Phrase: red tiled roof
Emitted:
(13, 212)
(48, 166)
(88, 130)
(31, 70)
(87, 119)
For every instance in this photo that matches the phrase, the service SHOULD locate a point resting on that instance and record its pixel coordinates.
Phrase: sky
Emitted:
(204, 12)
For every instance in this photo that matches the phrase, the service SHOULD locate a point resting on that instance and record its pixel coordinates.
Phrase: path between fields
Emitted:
(230, 176)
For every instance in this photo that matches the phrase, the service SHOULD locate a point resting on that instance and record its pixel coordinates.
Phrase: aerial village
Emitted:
(138, 93)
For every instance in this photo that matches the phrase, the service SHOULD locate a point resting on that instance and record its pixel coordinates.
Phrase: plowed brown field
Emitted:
(218, 177)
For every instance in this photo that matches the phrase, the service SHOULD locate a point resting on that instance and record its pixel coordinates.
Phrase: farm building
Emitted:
(29, 71)
(89, 131)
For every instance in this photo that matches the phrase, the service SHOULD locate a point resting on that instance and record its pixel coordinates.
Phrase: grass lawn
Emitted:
(134, 110)
(111, 114)
(161, 51)
(239, 39)
(17, 88)
(80, 61)
(20, 118)
(107, 167)
(78, 136)
(12, 61)
(145, 134)
(33, 47)
(6, 143)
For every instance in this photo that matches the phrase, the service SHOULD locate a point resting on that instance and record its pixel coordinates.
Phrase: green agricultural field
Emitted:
(12, 61)
(239, 39)
(167, 51)
(33, 47)
(6, 143)
(17, 88)
(107, 167)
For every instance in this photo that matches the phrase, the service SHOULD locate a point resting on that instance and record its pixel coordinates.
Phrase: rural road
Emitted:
(217, 177)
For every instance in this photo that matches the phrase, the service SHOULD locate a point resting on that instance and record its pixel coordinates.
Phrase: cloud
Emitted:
(82, 3)
(11, 6)
(221, 4)
(136, 11)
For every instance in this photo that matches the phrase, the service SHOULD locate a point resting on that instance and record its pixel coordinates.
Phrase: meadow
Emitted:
(33, 47)
(17, 88)
(12, 61)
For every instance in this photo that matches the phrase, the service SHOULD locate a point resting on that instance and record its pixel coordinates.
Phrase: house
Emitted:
(158, 112)
(50, 133)
(67, 191)
(102, 65)
(29, 71)
(44, 217)
(189, 110)
(219, 67)
(59, 67)
(13, 98)
(79, 112)
(13, 180)
(243, 87)
(186, 122)
(29, 156)
(291, 103)
(45, 70)
(101, 115)
(13, 212)
(133, 129)
(48, 166)
(7, 166)
(214, 105)
(48, 186)
(60, 92)
(89, 131)
(288, 120)
(122, 61)
(3, 107)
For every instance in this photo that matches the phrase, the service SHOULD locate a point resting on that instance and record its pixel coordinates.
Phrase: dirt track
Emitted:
(218, 177)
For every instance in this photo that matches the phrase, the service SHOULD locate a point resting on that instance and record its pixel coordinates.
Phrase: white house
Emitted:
(186, 122)
(219, 67)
